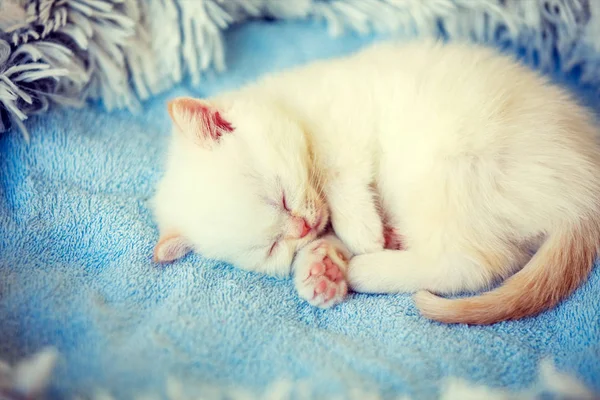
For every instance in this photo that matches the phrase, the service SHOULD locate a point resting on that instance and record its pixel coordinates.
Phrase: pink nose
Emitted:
(305, 228)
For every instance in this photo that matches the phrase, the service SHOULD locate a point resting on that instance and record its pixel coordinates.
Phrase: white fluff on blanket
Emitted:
(29, 377)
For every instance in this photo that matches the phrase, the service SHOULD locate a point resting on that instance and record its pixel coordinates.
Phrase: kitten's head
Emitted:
(239, 185)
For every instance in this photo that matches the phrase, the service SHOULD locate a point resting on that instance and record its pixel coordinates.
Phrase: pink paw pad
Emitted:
(332, 271)
(320, 287)
(317, 269)
(329, 280)
(331, 293)
(321, 277)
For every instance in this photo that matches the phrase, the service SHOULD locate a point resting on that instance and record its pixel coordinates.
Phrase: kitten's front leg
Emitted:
(354, 216)
(320, 270)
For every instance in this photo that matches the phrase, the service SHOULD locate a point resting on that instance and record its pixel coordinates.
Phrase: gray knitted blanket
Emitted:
(124, 51)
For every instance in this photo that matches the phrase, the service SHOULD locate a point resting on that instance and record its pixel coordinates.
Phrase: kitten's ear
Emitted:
(199, 120)
(170, 248)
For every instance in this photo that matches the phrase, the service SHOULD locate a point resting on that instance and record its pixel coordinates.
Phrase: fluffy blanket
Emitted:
(76, 275)
(124, 51)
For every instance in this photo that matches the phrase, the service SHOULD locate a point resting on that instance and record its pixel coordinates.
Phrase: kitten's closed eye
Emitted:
(284, 203)
(272, 248)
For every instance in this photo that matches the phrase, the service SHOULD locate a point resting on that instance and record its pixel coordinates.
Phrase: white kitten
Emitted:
(472, 156)
(241, 192)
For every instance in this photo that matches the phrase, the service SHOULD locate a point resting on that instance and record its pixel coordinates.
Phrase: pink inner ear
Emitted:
(170, 248)
(198, 117)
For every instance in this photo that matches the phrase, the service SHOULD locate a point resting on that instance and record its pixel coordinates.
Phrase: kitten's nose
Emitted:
(305, 229)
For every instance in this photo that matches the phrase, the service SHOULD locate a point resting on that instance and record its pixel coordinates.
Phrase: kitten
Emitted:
(468, 154)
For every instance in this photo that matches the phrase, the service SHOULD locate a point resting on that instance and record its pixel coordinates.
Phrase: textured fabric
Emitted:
(76, 274)
(124, 51)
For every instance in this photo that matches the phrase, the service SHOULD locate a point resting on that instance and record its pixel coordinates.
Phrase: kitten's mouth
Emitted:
(315, 229)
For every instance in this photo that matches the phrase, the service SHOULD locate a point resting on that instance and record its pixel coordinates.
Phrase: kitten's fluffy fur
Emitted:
(470, 156)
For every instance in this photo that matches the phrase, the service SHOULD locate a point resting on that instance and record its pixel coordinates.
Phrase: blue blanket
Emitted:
(76, 239)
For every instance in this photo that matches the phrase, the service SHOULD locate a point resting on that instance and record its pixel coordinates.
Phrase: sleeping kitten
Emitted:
(471, 156)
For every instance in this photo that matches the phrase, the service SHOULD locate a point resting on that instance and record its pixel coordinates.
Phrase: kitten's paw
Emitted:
(320, 272)
(362, 234)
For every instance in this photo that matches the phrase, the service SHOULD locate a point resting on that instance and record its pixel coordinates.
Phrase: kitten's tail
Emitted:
(561, 264)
